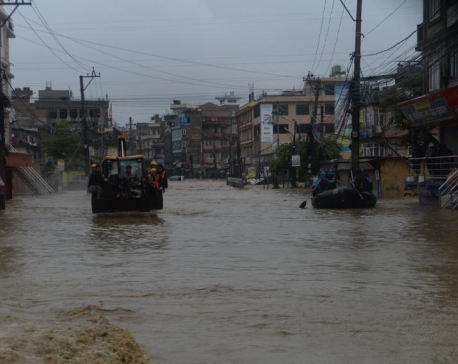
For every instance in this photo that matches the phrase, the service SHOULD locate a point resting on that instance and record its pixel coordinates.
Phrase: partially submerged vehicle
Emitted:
(125, 186)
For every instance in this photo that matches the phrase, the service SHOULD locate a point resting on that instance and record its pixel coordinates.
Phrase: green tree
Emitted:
(408, 88)
(64, 144)
(282, 162)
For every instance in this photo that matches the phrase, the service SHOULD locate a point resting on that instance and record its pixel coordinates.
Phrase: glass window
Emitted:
(63, 114)
(329, 109)
(434, 7)
(136, 165)
(73, 113)
(454, 63)
(302, 109)
(284, 129)
(434, 75)
(52, 113)
(257, 111)
(329, 89)
(281, 109)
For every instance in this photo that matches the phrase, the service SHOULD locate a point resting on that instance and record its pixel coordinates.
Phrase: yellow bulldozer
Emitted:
(125, 186)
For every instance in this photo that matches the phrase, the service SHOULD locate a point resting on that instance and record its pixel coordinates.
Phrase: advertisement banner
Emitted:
(267, 129)
(341, 91)
(296, 160)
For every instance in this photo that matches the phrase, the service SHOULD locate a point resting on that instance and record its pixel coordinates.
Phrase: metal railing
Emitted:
(449, 190)
(32, 178)
(436, 169)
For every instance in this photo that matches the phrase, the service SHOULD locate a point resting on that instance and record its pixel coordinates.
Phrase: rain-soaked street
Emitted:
(224, 275)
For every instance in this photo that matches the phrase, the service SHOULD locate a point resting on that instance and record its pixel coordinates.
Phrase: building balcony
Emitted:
(428, 174)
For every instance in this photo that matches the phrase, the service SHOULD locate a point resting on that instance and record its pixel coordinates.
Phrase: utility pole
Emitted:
(315, 84)
(356, 92)
(93, 75)
(131, 141)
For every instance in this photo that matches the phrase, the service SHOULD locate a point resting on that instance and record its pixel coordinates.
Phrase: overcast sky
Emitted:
(150, 52)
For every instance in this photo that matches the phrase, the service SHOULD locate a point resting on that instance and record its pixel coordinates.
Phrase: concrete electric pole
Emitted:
(87, 167)
(356, 92)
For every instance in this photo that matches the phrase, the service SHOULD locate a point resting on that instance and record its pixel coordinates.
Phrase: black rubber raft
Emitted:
(344, 198)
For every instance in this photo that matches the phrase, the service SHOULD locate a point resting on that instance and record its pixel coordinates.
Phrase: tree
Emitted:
(282, 162)
(64, 144)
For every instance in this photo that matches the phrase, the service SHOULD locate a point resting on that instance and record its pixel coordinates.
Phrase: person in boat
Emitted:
(332, 177)
(320, 184)
(362, 182)
(94, 180)
(161, 178)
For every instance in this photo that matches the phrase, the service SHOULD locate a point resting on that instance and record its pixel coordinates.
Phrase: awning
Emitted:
(433, 108)
(16, 159)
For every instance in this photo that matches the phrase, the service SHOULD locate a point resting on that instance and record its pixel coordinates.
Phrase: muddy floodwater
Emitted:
(224, 275)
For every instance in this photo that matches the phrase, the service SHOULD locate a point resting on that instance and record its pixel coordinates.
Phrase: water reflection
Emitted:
(129, 232)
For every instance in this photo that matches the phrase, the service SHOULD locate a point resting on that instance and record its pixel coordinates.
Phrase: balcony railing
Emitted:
(430, 173)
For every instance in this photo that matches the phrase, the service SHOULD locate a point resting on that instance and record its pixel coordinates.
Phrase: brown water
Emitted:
(234, 276)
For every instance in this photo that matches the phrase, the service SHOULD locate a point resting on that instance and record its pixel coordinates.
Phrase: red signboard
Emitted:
(15, 159)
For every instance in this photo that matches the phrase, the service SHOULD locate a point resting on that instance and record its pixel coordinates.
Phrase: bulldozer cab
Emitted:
(125, 186)
(118, 166)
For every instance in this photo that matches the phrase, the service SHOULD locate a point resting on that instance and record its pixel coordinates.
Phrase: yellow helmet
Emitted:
(153, 170)
(93, 166)
(154, 163)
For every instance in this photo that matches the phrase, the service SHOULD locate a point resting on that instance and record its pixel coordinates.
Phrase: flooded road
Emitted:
(237, 276)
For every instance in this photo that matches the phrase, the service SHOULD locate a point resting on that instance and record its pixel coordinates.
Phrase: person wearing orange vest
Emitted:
(161, 178)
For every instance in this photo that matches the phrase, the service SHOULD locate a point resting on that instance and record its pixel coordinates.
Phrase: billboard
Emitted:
(267, 129)
(341, 91)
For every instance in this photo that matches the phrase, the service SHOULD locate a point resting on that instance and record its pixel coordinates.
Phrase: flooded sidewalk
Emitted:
(224, 275)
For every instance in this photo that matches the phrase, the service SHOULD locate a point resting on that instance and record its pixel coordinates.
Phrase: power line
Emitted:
(172, 58)
(45, 23)
(388, 49)
(319, 36)
(385, 18)
(327, 33)
(49, 48)
(335, 43)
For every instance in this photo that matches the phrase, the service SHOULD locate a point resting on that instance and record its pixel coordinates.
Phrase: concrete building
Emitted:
(290, 116)
(435, 114)
(150, 139)
(219, 136)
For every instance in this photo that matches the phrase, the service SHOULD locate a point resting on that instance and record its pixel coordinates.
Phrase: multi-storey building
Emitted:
(219, 137)
(434, 116)
(290, 115)
(150, 139)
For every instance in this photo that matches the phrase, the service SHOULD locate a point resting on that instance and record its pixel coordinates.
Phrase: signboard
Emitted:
(428, 111)
(341, 91)
(267, 129)
(251, 172)
(296, 160)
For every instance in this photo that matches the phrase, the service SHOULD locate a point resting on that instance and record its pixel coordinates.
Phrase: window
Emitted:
(94, 113)
(280, 109)
(52, 114)
(329, 89)
(454, 63)
(183, 132)
(329, 109)
(434, 7)
(257, 111)
(434, 75)
(302, 109)
(284, 129)
(302, 128)
(373, 150)
(208, 143)
(63, 114)
(73, 113)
